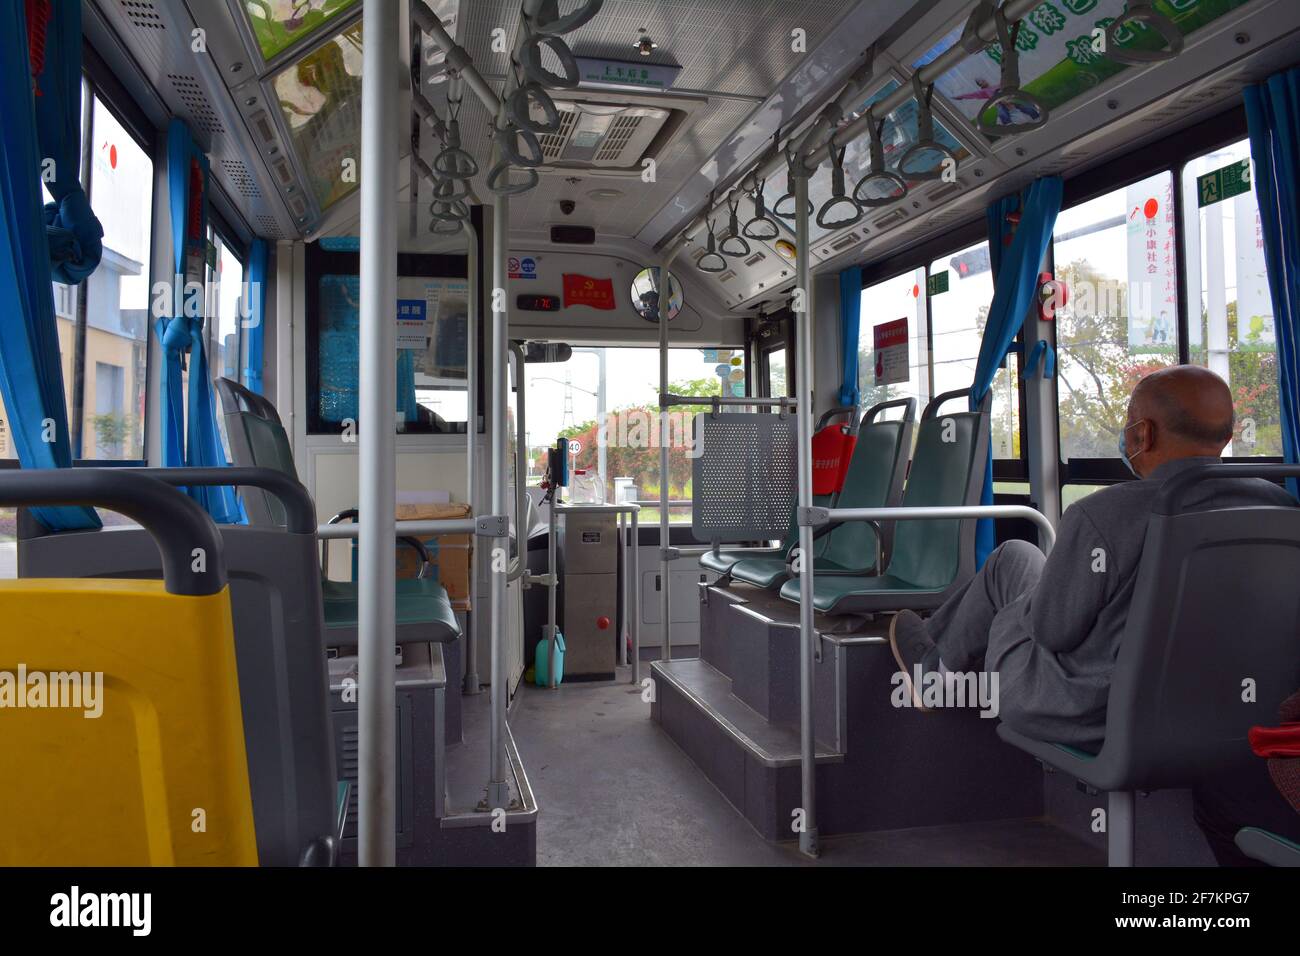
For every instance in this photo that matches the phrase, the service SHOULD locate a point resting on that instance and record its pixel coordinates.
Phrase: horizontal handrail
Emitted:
(299, 511)
(432, 526)
(668, 399)
(626, 507)
(189, 544)
(945, 511)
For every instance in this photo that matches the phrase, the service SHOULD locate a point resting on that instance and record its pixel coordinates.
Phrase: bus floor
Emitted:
(613, 789)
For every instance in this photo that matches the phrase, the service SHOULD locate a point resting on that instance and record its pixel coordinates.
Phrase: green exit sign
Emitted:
(937, 283)
(1231, 180)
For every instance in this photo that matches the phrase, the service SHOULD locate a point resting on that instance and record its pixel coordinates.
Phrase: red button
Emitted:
(602, 623)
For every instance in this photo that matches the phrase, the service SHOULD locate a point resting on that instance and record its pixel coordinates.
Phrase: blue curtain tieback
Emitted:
(178, 333)
(1044, 352)
(75, 237)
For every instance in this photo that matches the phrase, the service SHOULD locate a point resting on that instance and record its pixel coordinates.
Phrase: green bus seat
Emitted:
(874, 480)
(928, 559)
(258, 439)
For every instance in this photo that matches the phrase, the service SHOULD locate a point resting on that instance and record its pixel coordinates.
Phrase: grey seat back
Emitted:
(275, 601)
(874, 480)
(1212, 643)
(947, 469)
(257, 440)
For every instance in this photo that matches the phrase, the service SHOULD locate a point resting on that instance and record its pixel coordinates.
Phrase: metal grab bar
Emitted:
(626, 507)
(670, 399)
(430, 528)
(824, 515)
(811, 156)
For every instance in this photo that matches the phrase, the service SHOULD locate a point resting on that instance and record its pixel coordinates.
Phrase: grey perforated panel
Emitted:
(744, 475)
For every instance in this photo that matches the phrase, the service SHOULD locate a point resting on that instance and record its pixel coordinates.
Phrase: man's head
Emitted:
(1183, 411)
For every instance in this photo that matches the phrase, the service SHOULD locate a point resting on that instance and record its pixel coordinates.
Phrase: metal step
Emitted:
(709, 690)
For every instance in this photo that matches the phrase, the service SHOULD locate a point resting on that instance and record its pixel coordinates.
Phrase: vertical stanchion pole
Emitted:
(472, 685)
(636, 597)
(498, 790)
(377, 445)
(553, 571)
(521, 465)
(626, 630)
(804, 412)
(665, 565)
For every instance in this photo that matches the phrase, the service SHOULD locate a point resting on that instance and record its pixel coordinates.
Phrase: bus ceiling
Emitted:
(659, 138)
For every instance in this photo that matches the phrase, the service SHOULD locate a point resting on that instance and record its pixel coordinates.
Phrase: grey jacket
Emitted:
(1054, 648)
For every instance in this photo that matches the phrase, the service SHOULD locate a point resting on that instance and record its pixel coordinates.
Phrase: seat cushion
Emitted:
(769, 572)
(761, 572)
(419, 601)
(830, 590)
(720, 561)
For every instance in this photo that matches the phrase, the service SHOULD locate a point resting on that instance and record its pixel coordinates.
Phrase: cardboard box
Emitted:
(449, 553)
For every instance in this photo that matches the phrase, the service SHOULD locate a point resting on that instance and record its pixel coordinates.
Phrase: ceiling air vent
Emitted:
(142, 14)
(891, 218)
(553, 143)
(267, 226)
(947, 191)
(727, 276)
(601, 135)
(196, 101)
(262, 126)
(843, 242)
(755, 259)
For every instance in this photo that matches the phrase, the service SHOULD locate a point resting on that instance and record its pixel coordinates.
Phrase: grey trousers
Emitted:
(960, 629)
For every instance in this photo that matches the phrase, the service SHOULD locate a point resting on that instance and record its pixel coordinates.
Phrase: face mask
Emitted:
(1123, 451)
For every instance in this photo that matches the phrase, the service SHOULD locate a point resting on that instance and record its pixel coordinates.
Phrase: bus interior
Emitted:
(360, 480)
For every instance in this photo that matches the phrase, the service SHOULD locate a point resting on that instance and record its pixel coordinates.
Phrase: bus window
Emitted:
(1230, 321)
(225, 347)
(1118, 256)
(226, 289)
(778, 381)
(961, 292)
(621, 386)
(896, 299)
(110, 362)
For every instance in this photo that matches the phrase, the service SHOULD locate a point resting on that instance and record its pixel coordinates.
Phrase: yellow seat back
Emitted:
(151, 769)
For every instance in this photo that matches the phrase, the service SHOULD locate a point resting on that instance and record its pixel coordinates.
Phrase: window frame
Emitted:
(319, 262)
(219, 230)
(772, 334)
(1168, 153)
(99, 82)
(922, 256)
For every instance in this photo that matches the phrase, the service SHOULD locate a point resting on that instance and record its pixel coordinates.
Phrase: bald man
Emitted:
(1050, 627)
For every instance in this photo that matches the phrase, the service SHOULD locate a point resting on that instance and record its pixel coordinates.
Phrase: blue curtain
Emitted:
(31, 374)
(74, 234)
(850, 325)
(1273, 115)
(256, 307)
(1016, 270)
(181, 333)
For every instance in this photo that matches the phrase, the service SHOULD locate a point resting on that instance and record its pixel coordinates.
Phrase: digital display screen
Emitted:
(538, 303)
